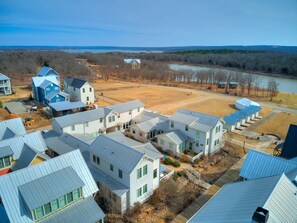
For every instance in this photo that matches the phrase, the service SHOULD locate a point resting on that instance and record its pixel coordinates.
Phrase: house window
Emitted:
(145, 170)
(139, 173)
(133, 131)
(121, 174)
(162, 142)
(171, 145)
(88, 98)
(172, 124)
(98, 160)
(4, 162)
(56, 88)
(139, 192)
(55, 205)
(155, 173)
(58, 100)
(84, 90)
(130, 112)
(197, 143)
(73, 88)
(90, 89)
(207, 141)
(114, 197)
(86, 124)
(39, 212)
(140, 134)
(138, 110)
(111, 118)
(72, 127)
(94, 158)
(62, 201)
(144, 188)
(197, 135)
(119, 115)
(187, 128)
(111, 167)
(76, 194)
(100, 120)
(69, 197)
(47, 89)
(47, 208)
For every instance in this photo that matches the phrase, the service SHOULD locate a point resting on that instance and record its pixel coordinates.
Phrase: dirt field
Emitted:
(288, 100)
(278, 125)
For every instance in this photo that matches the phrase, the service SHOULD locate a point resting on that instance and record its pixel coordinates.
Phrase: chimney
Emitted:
(261, 215)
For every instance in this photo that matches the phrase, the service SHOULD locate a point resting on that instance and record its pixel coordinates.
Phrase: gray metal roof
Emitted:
(44, 70)
(16, 107)
(113, 185)
(147, 115)
(53, 94)
(83, 211)
(11, 127)
(82, 117)
(75, 82)
(126, 106)
(3, 77)
(33, 140)
(40, 191)
(9, 183)
(175, 136)
(37, 81)
(46, 83)
(118, 154)
(152, 124)
(195, 120)
(236, 202)
(27, 156)
(258, 165)
(66, 105)
(145, 148)
(5, 151)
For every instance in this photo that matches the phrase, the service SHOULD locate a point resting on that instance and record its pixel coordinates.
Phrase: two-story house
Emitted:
(5, 85)
(204, 131)
(48, 71)
(47, 90)
(79, 90)
(59, 190)
(127, 171)
(135, 63)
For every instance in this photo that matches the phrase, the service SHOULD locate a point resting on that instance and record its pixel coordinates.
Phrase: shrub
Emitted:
(1, 104)
(176, 164)
(175, 176)
(167, 161)
(185, 159)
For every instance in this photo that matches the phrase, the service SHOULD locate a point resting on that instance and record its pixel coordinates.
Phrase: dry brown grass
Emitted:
(278, 125)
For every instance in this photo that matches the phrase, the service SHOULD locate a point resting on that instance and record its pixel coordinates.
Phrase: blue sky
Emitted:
(147, 22)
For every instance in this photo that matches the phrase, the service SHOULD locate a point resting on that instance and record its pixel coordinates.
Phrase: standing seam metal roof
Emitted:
(3, 77)
(15, 125)
(44, 70)
(126, 106)
(39, 80)
(289, 150)
(5, 151)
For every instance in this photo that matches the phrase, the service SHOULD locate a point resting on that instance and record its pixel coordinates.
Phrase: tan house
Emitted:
(135, 63)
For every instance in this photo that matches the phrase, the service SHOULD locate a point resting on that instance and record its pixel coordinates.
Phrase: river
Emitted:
(285, 84)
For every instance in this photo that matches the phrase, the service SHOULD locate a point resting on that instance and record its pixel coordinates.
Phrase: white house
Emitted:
(204, 131)
(79, 90)
(127, 171)
(5, 85)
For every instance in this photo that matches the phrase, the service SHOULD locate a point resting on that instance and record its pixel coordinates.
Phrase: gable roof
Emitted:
(38, 81)
(44, 71)
(175, 136)
(118, 154)
(9, 184)
(131, 61)
(155, 123)
(126, 106)
(82, 117)
(237, 202)
(147, 115)
(195, 120)
(289, 150)
(66, 105)
(3, 77)
(75, 82)
(5, 151)
(17, 144)
(259, 165)
(52, 94)
(46, 83)
(11, 128)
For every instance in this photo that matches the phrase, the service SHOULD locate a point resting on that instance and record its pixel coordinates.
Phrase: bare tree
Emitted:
(272, 88)
(250, 78)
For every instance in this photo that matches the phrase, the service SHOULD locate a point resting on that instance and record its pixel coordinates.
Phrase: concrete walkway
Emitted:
(230, 176)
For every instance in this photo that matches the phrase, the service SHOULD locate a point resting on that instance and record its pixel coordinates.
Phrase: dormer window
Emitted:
(5, 157)
(5, 162)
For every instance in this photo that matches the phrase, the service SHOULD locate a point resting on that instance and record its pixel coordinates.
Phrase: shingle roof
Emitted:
(195, 120)
(82, 117)
(126, 106)
(66, 105)
(9, 183)
(258, 165)
(118, 154)
(5, 151)
(3, 77)
(289, 150)
(236, 202)
(176, 136)
(85, 210)
(14, 126)
(44, 70)
(75, 82)
(39, 80)
(40, 191)
(33, 140)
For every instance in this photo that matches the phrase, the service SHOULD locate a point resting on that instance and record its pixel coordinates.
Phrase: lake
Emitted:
(285, 84)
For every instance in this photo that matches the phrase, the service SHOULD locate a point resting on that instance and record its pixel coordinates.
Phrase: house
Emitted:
(289, 150)
(47, 90)
(135, 63)
(58, 190)
(204, 131)
(79, 90)
(260, 165)
(22, 151)
(127, 171)
(48, 71)
(173, 141)
(265, 200)
(66, 107)
(243, 103)
(5, 85)
(11, 128)
(222, 84)
(90, 122)
(233, 85)
(147, 130)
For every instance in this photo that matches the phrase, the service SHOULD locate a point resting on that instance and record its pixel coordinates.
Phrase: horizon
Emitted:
(141, 24)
